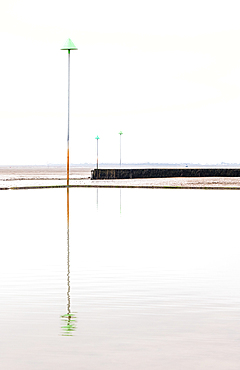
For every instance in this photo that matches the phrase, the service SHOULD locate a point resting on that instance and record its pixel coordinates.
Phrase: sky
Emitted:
(165, 73)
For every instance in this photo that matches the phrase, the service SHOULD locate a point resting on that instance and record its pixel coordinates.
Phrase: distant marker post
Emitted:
(120, 133)
(69, 45)
(97, 138)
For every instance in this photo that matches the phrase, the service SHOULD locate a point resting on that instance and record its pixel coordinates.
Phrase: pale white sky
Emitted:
(166, 73)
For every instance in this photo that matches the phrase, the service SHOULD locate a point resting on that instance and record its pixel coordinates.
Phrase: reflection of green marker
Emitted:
(97, 138)
(69, 45)
(69, 319)
(70, 324)
(120, 133)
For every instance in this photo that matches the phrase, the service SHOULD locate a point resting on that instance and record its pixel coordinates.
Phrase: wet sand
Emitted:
(27, 177)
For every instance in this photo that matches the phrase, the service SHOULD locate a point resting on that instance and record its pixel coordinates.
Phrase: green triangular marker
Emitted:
(69, 45)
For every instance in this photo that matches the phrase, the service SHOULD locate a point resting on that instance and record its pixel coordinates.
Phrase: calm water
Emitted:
(150, 281)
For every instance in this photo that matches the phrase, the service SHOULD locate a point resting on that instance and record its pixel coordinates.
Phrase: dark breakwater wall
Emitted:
(144, 173)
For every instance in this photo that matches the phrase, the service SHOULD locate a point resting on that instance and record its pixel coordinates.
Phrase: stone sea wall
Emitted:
(143, 173)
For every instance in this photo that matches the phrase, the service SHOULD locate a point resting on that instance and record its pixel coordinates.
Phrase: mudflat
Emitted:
(14, 177)
(17, 172)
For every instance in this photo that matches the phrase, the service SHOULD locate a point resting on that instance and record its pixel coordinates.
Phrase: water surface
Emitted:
(152, 280)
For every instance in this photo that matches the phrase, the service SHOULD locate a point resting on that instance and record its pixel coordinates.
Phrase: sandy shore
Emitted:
(27, 177)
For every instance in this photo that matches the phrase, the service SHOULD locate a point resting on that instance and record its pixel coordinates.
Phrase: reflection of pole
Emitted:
(69, 318)
(69, 45)
(97, 138)
(68, 256)
(120, 201)
(120, 133)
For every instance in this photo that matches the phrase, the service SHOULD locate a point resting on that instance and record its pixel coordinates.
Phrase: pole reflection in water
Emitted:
(69, 319)
(120, 201)
(97, 198)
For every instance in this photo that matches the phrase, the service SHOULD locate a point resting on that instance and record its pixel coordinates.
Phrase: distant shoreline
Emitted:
(54, 176)
(17, 180)
(124, 165)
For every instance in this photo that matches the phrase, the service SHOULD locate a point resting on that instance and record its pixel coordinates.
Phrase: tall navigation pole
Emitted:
(69, 45)
(97, 149)
(120, 133)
